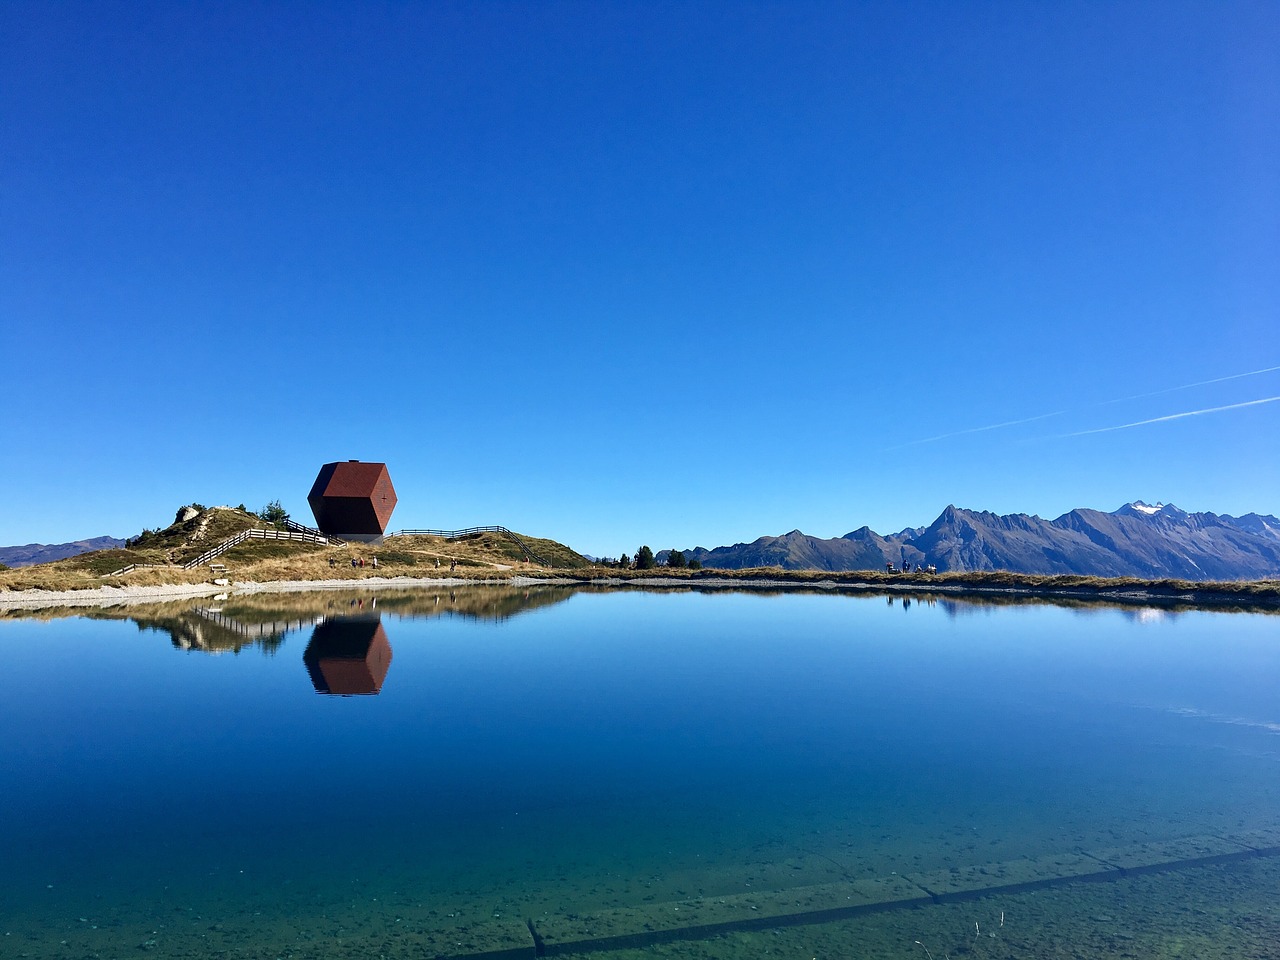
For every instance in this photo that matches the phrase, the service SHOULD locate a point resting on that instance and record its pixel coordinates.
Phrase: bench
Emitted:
(217, 568)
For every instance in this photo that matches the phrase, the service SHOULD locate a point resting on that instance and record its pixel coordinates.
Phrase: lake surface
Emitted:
(630, 774)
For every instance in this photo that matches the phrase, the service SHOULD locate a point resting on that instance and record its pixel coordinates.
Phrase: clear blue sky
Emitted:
(620, 273)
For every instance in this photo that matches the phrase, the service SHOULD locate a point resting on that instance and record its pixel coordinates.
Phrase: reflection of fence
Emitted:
(268, 630)
(470, 531)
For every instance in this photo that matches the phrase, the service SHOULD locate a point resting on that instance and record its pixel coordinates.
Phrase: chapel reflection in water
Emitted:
(348, 655)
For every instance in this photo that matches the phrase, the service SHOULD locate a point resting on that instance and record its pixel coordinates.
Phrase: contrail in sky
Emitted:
(1101, 403)
(993, 426)
(1172, 416)
(1188, 386)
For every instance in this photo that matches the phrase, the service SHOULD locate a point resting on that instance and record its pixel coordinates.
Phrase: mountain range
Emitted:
(1138, 540)
(1152, 541)
(33, 553)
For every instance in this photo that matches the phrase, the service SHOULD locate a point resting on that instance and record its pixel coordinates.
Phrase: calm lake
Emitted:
(500, 772)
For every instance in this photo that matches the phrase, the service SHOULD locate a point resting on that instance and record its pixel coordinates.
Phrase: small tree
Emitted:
(273, 513)
(695, 564)
(148, 533)
(644, 558)
(625, 562)
(675, 559)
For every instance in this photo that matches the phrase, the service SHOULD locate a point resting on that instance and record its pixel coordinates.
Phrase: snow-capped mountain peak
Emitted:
(1147, 508)
(1163, 511)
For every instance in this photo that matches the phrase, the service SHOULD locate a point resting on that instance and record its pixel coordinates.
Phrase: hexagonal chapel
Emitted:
(353, 500)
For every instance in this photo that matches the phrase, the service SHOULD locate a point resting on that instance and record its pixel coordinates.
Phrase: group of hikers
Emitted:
(356, 562)
(907, 567)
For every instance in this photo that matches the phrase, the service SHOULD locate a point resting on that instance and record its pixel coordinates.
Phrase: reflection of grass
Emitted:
(494, 601)
(178, 618)
(996, 578)
(190, 631)
(987, 587)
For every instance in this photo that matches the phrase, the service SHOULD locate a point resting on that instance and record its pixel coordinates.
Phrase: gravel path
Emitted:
(118, 596)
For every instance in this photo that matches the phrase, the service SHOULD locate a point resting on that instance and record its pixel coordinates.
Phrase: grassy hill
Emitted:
(161, 553)
(165, 549)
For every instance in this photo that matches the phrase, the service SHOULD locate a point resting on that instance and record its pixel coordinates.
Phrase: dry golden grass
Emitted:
(49, 576)
(480, 557)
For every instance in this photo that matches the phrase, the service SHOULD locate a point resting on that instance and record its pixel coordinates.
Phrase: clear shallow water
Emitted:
(565, 754)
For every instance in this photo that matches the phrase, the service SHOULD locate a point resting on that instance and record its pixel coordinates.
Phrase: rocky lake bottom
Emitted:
(498, 772)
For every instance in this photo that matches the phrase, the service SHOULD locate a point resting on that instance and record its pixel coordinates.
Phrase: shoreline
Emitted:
(1126, 592)
(1154, 595)
(108, 596)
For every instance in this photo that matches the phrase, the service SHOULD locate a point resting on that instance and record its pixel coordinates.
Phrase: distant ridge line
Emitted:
(1151, 542)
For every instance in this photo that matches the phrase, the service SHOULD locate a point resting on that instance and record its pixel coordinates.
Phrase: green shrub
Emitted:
(273, 513)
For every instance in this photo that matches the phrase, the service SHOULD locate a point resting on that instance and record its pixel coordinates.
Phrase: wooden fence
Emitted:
(254, 533)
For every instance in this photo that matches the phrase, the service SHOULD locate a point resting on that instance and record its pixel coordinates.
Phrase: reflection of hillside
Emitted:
(478, 603)
(496, 602)
(213, 630)
(963, 602)
(348, 656)
(230, 624)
